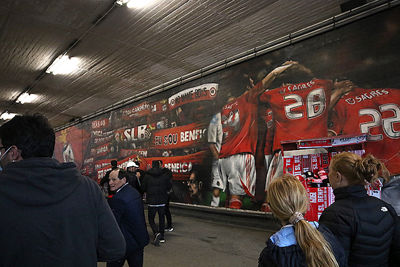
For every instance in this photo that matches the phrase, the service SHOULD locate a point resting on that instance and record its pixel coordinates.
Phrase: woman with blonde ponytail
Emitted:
(367, 227)
(298, 243)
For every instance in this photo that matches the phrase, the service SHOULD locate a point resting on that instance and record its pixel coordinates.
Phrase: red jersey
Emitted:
(239, 125)
(300, 111)
(376, 112)
(269, 135)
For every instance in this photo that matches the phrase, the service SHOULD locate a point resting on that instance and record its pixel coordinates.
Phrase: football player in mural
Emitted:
(68, 153)
(198, 186)
(271, 158)
(239, 127)
(298, 108)
(375, 112)
(214, 138)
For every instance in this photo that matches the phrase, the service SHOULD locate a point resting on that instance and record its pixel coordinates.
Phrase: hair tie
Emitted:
(296, 217)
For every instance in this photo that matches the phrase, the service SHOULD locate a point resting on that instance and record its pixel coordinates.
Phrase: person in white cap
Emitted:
(133, 180)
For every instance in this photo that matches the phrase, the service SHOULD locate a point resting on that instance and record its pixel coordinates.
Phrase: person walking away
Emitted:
(52, 215)
(127, 206)
(133, 180)
(156, 185)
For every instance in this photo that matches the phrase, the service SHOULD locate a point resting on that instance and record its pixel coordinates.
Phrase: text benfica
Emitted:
(179, 167)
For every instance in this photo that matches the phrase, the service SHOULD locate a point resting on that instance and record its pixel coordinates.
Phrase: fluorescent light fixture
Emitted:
(26, 98)
(138, 3)
(7, 116)
(64, 65)
(121, 2)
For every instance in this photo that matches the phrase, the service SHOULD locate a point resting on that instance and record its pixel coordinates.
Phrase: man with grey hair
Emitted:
(128, 210)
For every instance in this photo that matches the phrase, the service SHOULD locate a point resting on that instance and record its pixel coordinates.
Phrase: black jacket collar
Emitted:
(350, 191)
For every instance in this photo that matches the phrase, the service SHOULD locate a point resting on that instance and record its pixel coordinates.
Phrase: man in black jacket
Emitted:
(51, 215)
(156, 184)
(133, 180)
(127, 207)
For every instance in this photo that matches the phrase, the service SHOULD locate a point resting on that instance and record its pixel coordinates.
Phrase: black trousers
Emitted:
(168, 214)
(161, 219)
(135, 259)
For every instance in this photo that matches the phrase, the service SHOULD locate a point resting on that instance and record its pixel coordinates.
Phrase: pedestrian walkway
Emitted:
(196, 243)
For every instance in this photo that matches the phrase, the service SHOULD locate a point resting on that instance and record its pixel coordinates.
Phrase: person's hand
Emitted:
(340, 89)
(284, 67)
(343, 87)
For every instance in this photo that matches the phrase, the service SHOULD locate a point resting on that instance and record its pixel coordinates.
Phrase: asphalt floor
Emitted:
(196, 242)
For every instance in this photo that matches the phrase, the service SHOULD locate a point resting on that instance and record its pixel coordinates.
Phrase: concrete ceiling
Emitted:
(127, 51)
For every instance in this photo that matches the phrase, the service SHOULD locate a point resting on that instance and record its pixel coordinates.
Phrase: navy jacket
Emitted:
(282, 249)
(51, 215)
(366, 226)
(128, 210)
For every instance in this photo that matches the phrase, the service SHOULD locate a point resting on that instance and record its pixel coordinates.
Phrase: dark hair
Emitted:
(201, 177)
(156, 163)
(114, 163)
(293, 75)
(122, 174)
(32, 134)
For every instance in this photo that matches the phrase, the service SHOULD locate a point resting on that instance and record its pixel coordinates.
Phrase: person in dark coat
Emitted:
(391, 193)
(139, 173)
(366, 226)
(51, 214)
(128, 210)
(133, 180)
(156, 184)
(298, 243)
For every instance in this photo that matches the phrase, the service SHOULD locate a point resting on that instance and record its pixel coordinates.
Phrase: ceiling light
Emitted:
(138, 3)
(26, 98)
(7, 116)
(63, 65)
(121, 2)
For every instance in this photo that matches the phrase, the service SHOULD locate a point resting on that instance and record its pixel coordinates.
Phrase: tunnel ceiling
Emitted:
(126, 51)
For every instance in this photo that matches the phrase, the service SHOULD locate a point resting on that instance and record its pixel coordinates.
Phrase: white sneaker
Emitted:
(156, 241)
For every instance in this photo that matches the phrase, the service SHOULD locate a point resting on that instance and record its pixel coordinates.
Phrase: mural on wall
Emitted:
(221, 135)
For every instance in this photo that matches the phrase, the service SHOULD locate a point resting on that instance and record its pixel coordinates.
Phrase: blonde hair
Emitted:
(357, 170)
(286, 196)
